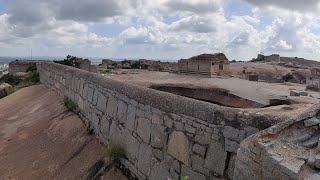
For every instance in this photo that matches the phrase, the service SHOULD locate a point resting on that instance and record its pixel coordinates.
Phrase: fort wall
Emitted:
(164, 135)
(20, 66)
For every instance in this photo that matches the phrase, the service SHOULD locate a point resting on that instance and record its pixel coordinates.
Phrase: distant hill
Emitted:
(300, 61)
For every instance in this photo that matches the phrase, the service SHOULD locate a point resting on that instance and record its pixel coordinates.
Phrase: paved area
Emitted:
(40, 139)
(260, 92)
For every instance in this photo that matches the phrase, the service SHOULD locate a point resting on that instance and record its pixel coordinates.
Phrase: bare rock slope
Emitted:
(40, 139)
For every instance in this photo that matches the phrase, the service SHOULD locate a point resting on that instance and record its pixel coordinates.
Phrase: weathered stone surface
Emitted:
(178, 146)
(102, 103)
(131, 118)
(317, 161)
(157, 119)
(159, 172)
(231, 146)
(104, 126)
(132, 146)
(179, 126)
(231, 165)
(216, 158)
(144, 159)
(231, 133)
(90, 94)
(311, 122)
(312, 142)
(250, 130)
(144, 129)
(159, 136)
(185, 171)
(201, 150)
(122, 111)
(202, 139)
(189, 129)
(111, 107)
(158, 154)
(95, 122)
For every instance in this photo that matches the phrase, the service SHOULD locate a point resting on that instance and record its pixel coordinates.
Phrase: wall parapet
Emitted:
(165, 135)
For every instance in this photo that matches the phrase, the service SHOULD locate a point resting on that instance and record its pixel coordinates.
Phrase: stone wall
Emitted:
(20, 66)
(164, 135)
(287, 150)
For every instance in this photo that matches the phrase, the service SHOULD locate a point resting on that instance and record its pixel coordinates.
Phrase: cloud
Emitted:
(194, 23)
(195, 6)
(296, 5)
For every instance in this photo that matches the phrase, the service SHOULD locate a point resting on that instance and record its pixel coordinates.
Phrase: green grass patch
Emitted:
(115, 152)
(70, 105)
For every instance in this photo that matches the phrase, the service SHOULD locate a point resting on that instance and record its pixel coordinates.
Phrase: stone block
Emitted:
(131, 118)
(112, 107)
(204, 140)
(231, 146)
(101, 103)
(144, 159)
(189, 129)
(158, 154)
(90, 94)
(201, 150)
(250, 130)
(132, 146)
(186, 171)
(104, 126)
(216, 158)
(311, 122)
(231, 133)
(157, 119)
(122, 111)
(159, 136)
(159, 172)
(144, 129)
(196, 160)
(179, 126)
(95, 123)
(178, 146)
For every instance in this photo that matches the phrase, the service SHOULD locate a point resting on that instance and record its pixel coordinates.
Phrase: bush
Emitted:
(70, 105)
(11, 79)
(139, 65)
(287, 77)
(115, 152)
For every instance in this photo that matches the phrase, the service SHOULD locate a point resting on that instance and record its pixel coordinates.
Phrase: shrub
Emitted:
(70, 105)
(32, 68)
(11, 79)
(287, 77)
(115, 152)
(90, 131)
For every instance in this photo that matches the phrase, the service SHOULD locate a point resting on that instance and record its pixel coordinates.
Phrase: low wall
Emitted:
(283, 151)
(20, 66)
(164, 135)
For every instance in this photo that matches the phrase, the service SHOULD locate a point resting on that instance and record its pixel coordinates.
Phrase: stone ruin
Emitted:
(204, 64)
(169, 136)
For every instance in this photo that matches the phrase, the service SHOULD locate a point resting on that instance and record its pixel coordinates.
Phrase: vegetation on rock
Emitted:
(70, 105)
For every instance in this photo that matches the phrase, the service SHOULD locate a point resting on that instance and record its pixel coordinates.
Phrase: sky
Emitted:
(160, 29)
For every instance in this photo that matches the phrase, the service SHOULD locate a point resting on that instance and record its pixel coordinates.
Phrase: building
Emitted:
(18, 66)
(204, 64)
(313, 81)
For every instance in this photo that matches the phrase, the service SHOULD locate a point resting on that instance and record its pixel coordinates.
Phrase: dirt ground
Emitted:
(40, 139)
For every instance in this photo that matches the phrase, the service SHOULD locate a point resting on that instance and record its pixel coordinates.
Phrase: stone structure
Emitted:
(288, 150)
(106, 62)
(20, 66)
(85, 64)
(204, 64)
(165, 135)
(313, 81)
